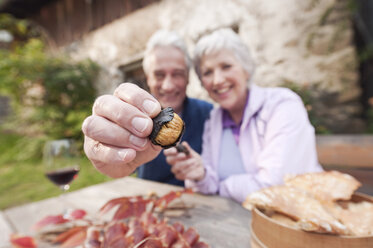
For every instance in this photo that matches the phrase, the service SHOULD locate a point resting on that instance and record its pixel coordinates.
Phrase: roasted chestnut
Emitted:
(168, 128)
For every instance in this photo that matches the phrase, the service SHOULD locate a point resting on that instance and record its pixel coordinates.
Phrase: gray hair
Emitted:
(163, 38)
(224, 38)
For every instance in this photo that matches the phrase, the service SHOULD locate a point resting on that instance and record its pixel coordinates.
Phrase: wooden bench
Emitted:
(351, 154)
(354, 151)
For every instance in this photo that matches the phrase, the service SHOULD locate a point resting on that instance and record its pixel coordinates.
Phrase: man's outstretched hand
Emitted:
(116, 134)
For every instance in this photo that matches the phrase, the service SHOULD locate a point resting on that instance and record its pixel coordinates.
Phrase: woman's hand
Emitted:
(185, 166)
(116, 134)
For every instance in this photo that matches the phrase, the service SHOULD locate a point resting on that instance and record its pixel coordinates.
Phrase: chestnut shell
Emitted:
(168, 128)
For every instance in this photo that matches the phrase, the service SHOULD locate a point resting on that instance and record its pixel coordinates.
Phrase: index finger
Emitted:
(134, 95)
(170, 151)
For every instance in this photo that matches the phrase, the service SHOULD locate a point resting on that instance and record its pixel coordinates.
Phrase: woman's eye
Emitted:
(207, 73)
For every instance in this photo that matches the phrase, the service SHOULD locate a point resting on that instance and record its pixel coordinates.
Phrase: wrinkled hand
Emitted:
(116, 133)
(185, 166)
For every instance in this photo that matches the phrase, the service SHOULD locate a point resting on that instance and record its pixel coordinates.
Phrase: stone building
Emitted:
(307, 45)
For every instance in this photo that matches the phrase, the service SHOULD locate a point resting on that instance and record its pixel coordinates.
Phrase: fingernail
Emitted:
(149, 106)
(140, 124)
(139, 142)
(122, 154)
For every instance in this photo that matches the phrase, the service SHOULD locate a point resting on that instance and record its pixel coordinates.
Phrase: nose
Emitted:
(168, 84)
(218, 77)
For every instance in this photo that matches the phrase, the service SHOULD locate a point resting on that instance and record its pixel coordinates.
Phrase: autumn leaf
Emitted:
(127, 207)
(76, 238)
(67, 234)
(48, 220)
(114, 202)
(76, 214)
(133, 225)
(22, 241)
(163, 202)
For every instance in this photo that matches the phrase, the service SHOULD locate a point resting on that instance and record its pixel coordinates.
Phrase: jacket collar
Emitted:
(256, 101)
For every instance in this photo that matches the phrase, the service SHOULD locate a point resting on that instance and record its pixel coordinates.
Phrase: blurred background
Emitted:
(57, 56)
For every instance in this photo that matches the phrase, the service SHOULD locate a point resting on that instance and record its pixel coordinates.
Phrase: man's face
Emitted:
(168, 77)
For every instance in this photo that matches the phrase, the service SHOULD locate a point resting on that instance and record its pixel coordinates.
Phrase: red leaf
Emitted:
(124, 210)
(76, 239)
(22, 241)
(180, 243)
(127, 207)
(191, 236)
(136, 234)
(93, 238)
(139, 207)
(179, 227)
(148, 219)
(168, 235)
(112, 203)
(69, 233)
(200, 245)
(48, 220)
(77, 214)
(121, 242)
(113, 233)
(150, 242)
(163, 202)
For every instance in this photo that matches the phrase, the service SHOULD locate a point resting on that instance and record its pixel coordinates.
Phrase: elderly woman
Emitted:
(255, 137)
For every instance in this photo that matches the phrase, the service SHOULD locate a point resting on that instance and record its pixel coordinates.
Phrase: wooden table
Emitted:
(219, 221)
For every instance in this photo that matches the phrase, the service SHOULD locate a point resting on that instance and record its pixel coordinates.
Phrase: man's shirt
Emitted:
(195, 113)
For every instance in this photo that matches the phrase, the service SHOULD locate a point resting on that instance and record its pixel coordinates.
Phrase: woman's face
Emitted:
(225, 80)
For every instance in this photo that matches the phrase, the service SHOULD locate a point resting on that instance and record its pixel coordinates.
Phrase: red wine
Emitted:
(62, 176)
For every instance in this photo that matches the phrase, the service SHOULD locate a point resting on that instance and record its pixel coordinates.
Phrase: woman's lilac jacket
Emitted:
(276, 139)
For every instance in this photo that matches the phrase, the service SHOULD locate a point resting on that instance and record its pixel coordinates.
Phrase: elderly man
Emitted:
(116, 132)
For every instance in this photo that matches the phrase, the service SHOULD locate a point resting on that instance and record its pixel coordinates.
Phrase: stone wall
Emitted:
(308, 42)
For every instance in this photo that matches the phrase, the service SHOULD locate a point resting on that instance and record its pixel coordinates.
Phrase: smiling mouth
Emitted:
(169, 95)
(222, 90)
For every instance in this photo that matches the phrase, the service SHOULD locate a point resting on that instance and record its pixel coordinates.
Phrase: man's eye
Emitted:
(178, 75)
(159, 75)
(226, 66)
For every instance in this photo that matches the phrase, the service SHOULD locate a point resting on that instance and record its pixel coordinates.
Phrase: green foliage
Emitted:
(50, 95)
(305, 93)
(51, 92)
(22, 30)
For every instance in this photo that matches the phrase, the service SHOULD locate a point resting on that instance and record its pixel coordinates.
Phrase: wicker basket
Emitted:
(268, 233)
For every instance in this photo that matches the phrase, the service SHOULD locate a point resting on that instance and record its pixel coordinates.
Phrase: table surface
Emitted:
(219, 221)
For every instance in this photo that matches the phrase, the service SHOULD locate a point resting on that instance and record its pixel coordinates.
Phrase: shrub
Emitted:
(50, 95)
(304, 91)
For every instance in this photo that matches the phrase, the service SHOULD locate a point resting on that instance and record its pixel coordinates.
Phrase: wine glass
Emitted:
(60, 162)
